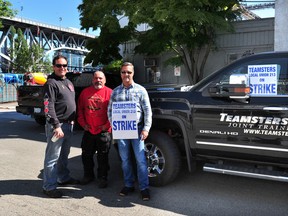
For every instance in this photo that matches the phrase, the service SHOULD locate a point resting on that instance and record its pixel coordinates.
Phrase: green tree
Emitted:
(40, 62)
(185, 27)
(5, 10)
(26, 58)
(113, 67)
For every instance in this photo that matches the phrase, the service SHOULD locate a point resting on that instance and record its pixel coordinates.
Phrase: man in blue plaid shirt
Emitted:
(133, 92)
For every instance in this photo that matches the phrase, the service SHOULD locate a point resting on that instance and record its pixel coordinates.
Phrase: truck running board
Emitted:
(247, 172)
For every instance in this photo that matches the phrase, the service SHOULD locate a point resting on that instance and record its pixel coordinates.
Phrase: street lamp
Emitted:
(60, 20)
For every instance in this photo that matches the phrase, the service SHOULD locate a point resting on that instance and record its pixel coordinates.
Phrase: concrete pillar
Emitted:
(281, 26)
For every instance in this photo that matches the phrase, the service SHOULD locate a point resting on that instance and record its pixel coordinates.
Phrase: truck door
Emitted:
(254, 127)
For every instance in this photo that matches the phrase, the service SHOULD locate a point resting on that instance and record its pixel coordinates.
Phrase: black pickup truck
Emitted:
(235, 121)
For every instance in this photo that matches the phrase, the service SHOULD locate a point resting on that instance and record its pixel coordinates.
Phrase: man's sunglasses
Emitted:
(126, 72)
(60, 65)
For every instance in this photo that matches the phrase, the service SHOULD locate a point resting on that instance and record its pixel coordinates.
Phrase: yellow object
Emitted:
(39, 78)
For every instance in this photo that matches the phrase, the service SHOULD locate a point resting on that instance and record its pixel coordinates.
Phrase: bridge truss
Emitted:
(68, 41)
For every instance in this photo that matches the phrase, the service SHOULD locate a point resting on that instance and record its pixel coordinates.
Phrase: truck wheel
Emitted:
(40, 120)
(163, 157)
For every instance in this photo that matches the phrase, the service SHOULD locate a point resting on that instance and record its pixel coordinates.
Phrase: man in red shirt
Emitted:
(92, 116)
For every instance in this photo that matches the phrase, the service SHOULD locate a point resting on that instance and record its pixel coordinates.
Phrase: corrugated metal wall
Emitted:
(250, 36)
(8, 86)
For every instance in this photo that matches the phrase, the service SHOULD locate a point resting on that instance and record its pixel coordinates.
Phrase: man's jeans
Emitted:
(90, 145)
(56, 157)
(137, 145)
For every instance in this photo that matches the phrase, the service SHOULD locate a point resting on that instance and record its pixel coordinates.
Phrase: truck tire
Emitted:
(163, 157)
(40, 120)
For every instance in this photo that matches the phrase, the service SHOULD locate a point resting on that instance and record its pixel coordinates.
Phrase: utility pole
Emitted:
(280, 25)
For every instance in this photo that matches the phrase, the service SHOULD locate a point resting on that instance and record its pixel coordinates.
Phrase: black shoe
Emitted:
(103, 183)
(86, 180)
(145, 195)
(126, 190)
(53, 193)
(71, 181)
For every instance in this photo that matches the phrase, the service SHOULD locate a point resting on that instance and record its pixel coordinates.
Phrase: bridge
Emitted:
(69, 41)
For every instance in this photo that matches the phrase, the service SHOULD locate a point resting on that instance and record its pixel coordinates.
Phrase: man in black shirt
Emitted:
(60, 111)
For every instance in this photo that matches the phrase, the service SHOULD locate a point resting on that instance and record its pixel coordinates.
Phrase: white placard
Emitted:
(124, 120)
(263, 79)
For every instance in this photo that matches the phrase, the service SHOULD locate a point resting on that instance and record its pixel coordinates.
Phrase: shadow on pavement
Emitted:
(108, 196)
(24, 127)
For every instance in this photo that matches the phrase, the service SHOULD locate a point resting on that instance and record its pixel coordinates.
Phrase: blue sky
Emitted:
(49, 11)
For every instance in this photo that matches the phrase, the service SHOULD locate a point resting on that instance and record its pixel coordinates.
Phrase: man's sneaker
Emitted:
(71, 181)
(86, 180)
(126, 190)
(145, 194)
(53, 193)
(103, 183)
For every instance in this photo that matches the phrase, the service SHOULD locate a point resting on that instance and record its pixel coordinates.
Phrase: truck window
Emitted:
(267, 77)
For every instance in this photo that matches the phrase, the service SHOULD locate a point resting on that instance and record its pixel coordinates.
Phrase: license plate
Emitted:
(37, 110)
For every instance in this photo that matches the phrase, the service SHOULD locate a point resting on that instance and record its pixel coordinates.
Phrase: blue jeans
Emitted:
(125, 146)
(56, 157)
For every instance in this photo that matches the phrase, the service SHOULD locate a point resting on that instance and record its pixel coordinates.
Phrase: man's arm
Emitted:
(146, 106)
(109, 108)
(50, 113)
(81, 110)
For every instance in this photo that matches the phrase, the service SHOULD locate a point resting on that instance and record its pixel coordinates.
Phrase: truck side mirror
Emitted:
(237, 88)
(229, 90)
(239, 79)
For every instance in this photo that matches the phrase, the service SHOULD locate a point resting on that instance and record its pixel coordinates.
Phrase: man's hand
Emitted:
(58, 132)
(144, 134)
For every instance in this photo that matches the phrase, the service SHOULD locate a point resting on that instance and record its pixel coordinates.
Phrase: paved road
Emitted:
(22, 144)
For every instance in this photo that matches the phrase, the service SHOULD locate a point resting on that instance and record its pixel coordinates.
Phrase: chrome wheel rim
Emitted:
(155, 160)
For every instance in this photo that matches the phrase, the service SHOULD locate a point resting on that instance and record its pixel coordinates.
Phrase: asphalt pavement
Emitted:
(22, 148)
